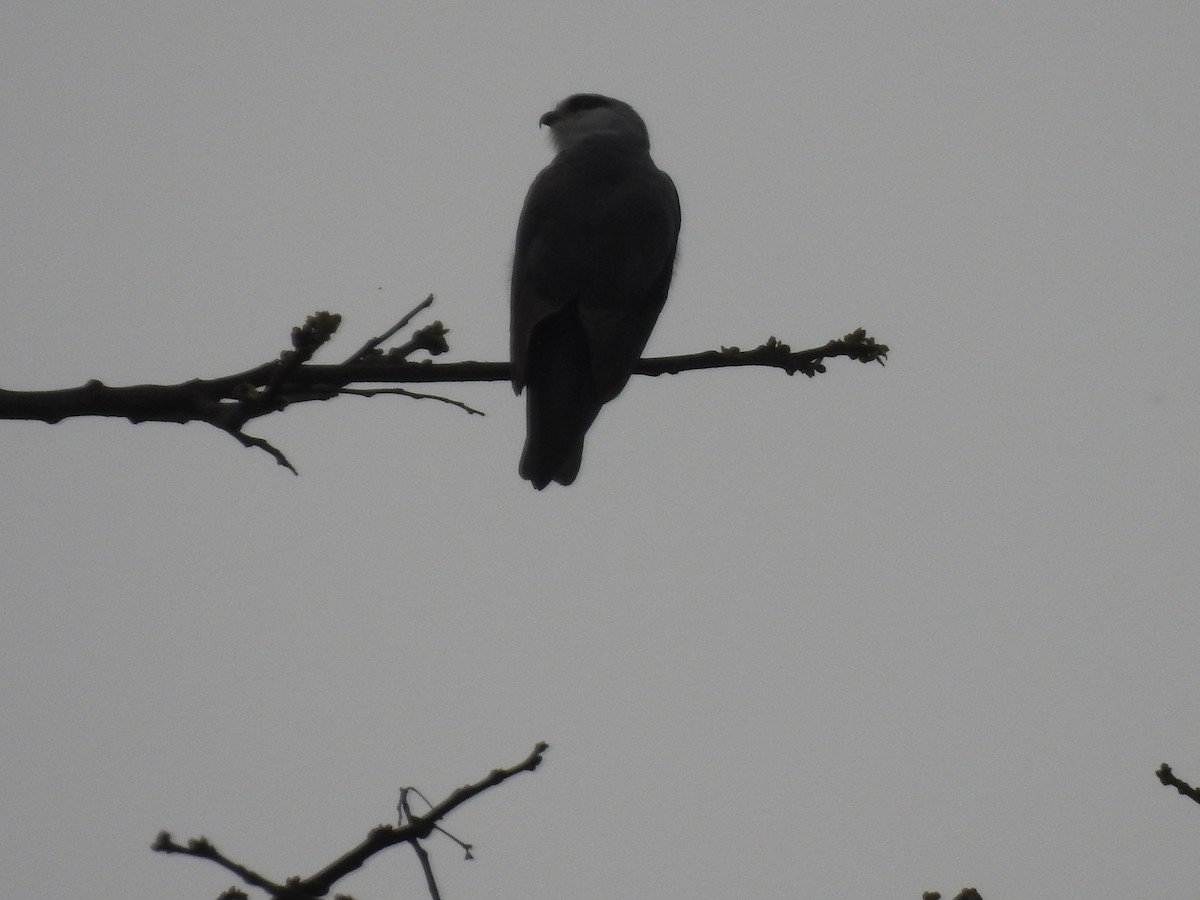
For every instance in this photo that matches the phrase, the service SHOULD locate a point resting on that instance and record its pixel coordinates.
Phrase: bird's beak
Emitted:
(549, 118)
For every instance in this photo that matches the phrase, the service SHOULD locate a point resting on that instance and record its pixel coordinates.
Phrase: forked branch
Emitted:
(229, 402)
(411, 830)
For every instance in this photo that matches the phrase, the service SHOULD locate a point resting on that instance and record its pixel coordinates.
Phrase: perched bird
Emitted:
(594, 258)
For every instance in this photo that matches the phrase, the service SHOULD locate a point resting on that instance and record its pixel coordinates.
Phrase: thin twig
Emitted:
(371, 392)
(427, 868)
(373, 343)
(404, 811)
(415, 843)
(247, 440)
(202, 848)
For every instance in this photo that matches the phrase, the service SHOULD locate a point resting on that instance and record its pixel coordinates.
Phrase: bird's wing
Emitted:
(547, 264)
(634, 254)
(598, 231)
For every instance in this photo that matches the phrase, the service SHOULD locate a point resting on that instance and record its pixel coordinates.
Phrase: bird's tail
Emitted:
(561, 402)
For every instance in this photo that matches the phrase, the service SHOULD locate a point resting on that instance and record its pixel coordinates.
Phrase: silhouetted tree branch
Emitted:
(1168, 778)
(229, 402)
(411, 830)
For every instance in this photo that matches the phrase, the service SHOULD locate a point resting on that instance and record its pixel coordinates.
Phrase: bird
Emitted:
(595, 254)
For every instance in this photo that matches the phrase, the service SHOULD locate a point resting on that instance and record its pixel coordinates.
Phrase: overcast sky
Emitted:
(884, 631)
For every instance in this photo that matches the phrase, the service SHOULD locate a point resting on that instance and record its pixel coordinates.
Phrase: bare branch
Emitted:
(366, 349)
(202, 848)
(411, 830)
(774, 353)
(247, 440)
(1168, 778)
(371, 392)
(422, 854)
(418, 827)
(427, 868)
(228, 403)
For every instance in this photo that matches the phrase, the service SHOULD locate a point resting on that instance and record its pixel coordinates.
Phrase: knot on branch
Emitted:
(308, 338)
(431, 339)
(861, 346)
(1170, 779)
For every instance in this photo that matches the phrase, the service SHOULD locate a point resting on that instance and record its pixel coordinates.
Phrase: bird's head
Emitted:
(584, 115)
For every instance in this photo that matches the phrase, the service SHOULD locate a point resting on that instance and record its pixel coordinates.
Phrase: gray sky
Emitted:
(880, 632)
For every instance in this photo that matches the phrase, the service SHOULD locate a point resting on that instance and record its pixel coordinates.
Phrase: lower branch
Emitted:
(412, 830)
